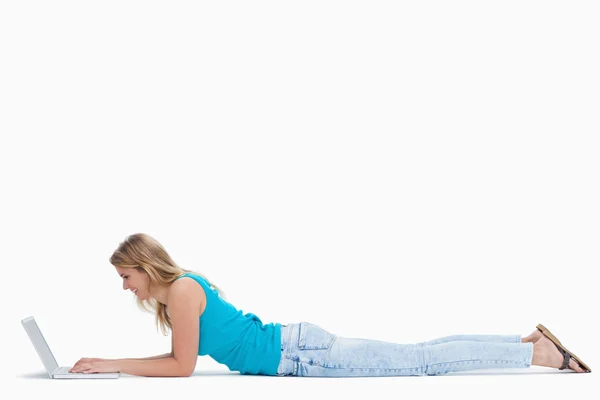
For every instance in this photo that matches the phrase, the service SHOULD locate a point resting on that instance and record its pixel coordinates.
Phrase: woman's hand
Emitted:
(91, 365)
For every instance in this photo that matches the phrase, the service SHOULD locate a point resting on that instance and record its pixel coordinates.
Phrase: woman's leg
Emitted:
(474, 338)
(313, 351)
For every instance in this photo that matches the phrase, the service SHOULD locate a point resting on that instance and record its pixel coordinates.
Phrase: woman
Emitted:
(203, 322)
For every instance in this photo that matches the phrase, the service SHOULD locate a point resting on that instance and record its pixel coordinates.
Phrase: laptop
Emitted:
(48, 359)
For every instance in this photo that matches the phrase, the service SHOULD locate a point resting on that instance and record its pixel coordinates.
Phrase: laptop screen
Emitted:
(40, 344)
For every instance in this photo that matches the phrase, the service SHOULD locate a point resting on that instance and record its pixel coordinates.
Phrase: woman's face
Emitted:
(136, 281)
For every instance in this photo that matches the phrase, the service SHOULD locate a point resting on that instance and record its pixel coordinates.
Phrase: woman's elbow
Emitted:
(187, 372)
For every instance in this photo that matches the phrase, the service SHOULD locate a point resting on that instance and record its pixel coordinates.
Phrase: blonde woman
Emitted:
(203, 322)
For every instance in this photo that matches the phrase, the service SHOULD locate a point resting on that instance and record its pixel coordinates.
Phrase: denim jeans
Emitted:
(309, 350)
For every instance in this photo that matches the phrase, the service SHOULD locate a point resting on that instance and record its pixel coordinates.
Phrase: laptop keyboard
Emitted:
(65, 371)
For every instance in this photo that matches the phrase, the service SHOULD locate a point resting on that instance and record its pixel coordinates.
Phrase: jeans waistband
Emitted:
(287, 366)
(284, 334)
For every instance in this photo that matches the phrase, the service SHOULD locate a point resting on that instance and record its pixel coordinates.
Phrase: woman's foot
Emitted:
(533, 337)
(546, 354)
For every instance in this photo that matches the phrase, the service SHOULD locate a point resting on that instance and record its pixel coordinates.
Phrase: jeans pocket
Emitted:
(313, 337)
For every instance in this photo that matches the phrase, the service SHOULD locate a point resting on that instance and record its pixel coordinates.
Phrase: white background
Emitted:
(390, 170)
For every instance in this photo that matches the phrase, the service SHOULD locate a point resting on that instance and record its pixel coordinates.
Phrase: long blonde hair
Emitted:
(143, 252)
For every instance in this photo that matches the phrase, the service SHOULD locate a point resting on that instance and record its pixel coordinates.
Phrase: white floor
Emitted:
(536, 382)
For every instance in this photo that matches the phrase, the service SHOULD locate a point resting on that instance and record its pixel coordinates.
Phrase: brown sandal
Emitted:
(566, 353)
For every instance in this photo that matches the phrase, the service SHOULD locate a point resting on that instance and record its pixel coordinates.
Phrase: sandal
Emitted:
(566, 353)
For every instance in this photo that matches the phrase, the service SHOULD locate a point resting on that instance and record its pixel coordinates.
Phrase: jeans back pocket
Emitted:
(313, 337)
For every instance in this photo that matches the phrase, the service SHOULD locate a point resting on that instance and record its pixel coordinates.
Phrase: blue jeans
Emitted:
(309, 350)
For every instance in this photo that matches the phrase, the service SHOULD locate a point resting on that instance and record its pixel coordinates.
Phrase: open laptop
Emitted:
(48, 359)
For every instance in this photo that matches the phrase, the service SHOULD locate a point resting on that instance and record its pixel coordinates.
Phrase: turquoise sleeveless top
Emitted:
(241, 342)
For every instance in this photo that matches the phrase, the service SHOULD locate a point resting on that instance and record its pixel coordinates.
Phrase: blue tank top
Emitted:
(241, 342)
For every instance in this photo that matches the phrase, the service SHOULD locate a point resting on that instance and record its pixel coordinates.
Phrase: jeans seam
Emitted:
(368, 368)
(477, 361)
(416, 368)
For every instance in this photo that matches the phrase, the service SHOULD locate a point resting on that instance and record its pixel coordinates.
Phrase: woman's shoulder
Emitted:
(188, 287)
(193, 277)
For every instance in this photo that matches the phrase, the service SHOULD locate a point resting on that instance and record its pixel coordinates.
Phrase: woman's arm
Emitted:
(163, 367)
(184, 302)
(166, 355)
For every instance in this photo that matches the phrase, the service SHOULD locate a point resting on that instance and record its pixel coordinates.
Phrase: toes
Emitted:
(574, 365)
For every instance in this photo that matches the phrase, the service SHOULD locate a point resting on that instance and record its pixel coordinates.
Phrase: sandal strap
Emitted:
(566, 355)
